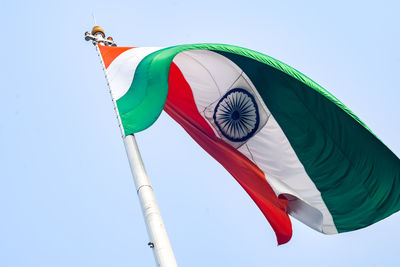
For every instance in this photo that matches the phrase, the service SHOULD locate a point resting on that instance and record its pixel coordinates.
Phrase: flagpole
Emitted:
(159, 241)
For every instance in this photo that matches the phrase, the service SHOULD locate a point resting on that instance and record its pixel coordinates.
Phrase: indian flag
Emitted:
(292, 146)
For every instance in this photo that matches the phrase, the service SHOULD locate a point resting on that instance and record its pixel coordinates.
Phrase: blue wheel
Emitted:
(236, 115)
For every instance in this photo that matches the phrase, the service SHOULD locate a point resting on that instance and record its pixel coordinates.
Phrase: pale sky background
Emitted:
(67, 197)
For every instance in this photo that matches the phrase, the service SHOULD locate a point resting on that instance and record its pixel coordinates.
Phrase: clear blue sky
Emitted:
(66, 193)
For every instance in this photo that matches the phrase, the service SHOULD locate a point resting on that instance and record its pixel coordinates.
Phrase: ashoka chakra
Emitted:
(236, 115)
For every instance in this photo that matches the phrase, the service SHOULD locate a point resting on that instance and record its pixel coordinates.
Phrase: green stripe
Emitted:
(357, 175)
(140, 107)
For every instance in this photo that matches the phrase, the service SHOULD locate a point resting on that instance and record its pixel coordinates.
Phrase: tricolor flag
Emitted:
(292, 146)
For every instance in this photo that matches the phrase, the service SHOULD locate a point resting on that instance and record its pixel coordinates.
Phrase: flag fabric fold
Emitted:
(292, 146)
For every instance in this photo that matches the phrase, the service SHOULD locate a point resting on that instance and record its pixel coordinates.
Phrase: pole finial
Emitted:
(97, 36)
(98, 30)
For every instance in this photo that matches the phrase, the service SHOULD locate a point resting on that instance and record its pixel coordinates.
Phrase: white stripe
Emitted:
(272, 153)
(121, 71)
(210, 75)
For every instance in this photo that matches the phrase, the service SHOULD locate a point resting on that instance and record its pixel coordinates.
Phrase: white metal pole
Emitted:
(155, 227)
(159, 241)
